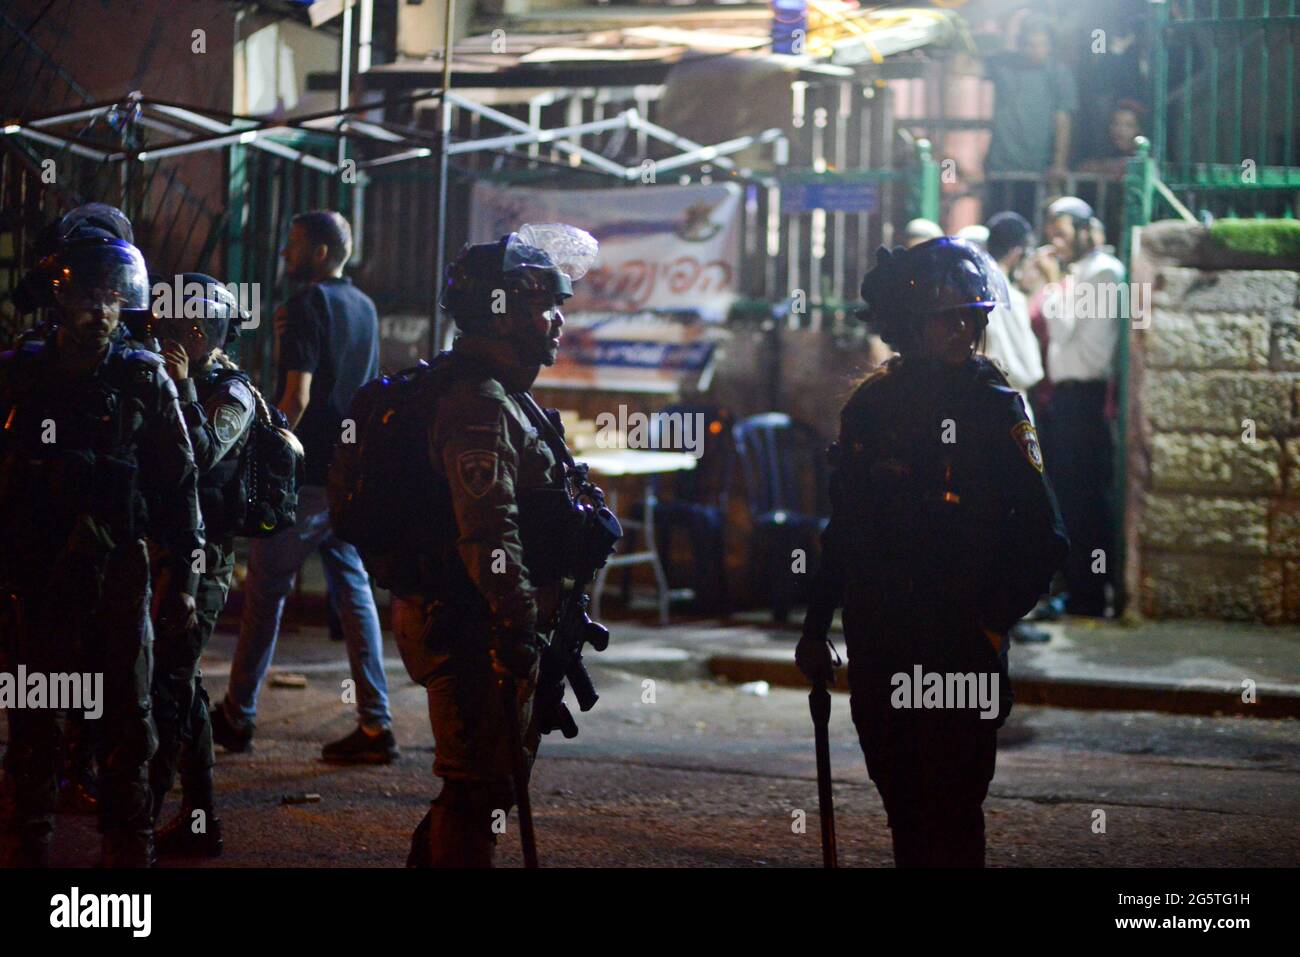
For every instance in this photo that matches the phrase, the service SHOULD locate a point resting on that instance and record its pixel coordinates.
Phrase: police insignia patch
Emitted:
(477, 471)
(1027, 439)
(227, 424)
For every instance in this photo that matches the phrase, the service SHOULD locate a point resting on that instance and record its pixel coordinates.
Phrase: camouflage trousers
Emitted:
(180, 702)
(448, 654)
(92, 619)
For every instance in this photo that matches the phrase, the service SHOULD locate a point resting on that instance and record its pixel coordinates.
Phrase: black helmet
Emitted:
(95, 220)
(95, 267)
(204, 309)
(89, 221)
(908, 285)
(547, 258)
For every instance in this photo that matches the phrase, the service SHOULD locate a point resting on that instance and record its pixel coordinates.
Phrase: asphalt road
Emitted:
(712, 775)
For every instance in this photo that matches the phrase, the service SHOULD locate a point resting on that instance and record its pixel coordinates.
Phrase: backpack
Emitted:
(270, 472)
(384, 495)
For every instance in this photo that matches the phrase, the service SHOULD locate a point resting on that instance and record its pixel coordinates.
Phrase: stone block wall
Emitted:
(1213, 485)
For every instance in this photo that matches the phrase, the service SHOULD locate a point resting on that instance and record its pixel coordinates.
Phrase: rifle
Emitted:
(592, 531)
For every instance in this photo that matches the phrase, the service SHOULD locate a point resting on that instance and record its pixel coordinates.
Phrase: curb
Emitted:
(1083, 694)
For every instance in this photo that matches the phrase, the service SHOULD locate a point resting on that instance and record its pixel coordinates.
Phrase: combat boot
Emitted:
(455, 842)
(452, 835)
(178, 838)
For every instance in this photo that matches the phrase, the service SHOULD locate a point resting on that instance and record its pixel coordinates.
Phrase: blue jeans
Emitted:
(273, 563)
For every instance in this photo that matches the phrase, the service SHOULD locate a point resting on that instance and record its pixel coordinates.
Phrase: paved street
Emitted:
(711, 775)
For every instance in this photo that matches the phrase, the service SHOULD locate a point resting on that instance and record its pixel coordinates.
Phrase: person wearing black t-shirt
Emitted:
(328, 347)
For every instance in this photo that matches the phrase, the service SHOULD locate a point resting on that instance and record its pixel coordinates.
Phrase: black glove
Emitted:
(514, 655)
(813, 654)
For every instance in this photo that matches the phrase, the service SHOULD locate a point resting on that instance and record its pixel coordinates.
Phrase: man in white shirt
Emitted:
(1009, 339)
(1083, 310)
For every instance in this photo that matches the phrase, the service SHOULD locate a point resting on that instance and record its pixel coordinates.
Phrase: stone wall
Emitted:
(1213, 520)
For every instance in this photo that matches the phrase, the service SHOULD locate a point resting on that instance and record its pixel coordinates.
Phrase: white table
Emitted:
(617, 463)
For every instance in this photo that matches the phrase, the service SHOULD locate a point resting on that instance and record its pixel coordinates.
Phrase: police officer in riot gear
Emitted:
(218, 405)
(943, 533)
(93, 459)
(35, 294)
(487, 442)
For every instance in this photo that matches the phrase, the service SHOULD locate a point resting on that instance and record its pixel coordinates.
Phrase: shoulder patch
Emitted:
(477, 471)
(228, 424)
(1027, 438)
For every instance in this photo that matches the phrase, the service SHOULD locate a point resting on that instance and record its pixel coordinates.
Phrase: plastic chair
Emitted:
(694, 503)
(784, 471)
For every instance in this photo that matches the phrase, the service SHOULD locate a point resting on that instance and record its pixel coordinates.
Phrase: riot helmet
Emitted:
(89, 221)
(206, 316)
(97, 283)
(538, 260)
(99, 270)
(95, 220)
(945, 275)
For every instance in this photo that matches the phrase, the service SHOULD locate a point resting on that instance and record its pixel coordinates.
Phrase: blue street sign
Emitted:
(832, 197)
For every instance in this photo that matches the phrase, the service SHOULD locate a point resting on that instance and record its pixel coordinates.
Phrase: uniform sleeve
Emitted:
(1034, 542)
(215, 427)
(170, 479)
(471, 445)
(300, 350)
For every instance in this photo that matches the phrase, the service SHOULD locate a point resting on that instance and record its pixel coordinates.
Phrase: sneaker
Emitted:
(1025, 633)
(363, 747)
(226, 733)
(178, 839)
(1048, 609)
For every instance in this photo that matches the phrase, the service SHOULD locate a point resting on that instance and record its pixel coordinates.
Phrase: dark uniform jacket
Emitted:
(491, 455)
(218, 408)
(119, 453)
(940, 508)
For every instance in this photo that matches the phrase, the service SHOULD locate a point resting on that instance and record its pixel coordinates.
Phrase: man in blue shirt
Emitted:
(328, 347)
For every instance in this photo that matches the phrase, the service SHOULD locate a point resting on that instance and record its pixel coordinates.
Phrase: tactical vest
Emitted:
(917, 482)
(70, 448)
